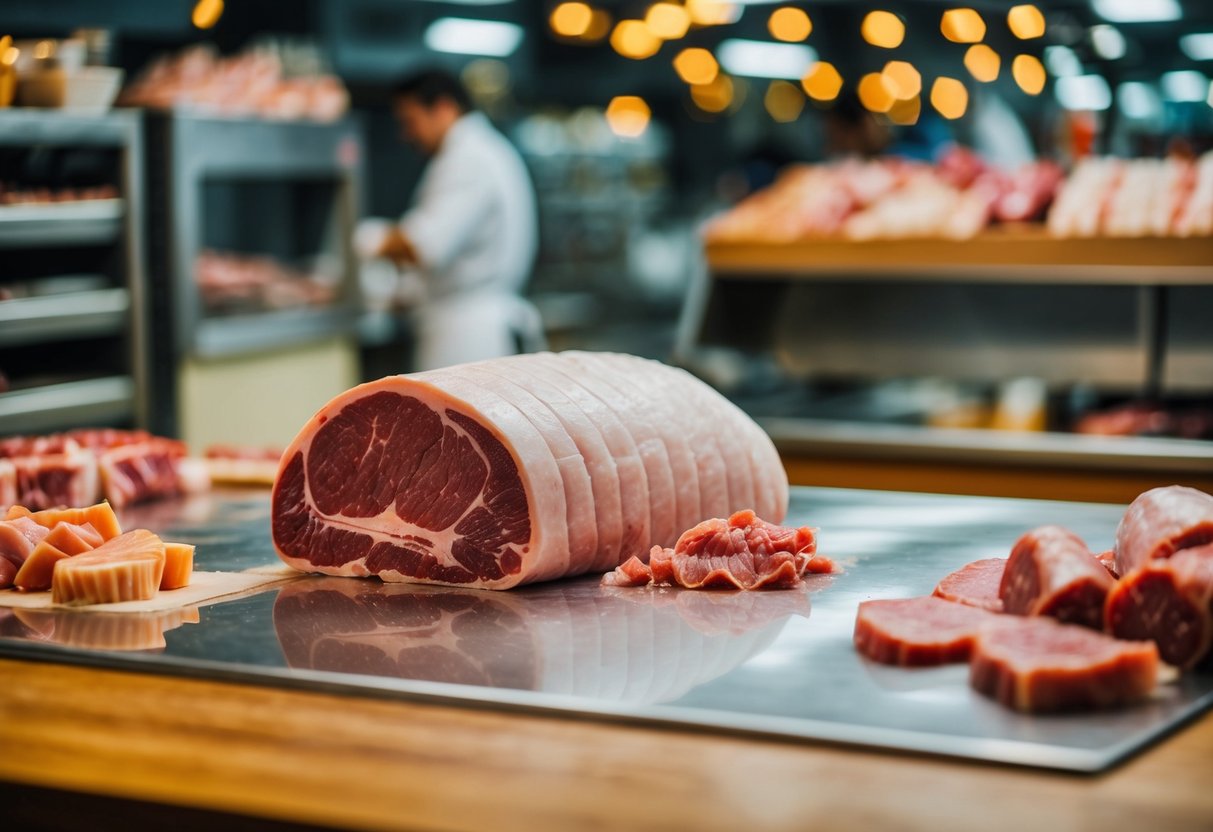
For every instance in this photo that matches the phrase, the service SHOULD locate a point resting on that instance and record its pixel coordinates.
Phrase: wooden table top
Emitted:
(374, 764)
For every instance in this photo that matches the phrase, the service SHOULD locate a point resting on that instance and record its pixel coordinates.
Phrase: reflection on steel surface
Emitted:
(95, 630)
(580, 639)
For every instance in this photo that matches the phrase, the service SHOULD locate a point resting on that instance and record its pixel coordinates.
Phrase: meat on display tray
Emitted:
(777, 663)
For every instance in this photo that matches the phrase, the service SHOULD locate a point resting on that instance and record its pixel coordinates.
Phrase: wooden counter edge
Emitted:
(375, 764)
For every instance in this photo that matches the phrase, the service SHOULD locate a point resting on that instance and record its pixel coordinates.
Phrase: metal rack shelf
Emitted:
(220, 337)
(84, 223)
(53, 407)
(61, 317)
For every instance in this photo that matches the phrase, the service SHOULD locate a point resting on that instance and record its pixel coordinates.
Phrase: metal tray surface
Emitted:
(776, 663)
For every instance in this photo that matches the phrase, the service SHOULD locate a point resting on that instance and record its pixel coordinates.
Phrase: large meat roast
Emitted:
(515, 470)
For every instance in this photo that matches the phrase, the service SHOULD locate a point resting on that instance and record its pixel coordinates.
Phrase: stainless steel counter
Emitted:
(777, 663)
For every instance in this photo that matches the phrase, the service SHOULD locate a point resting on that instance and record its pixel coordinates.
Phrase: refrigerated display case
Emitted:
(251, 233)
(844, 323)
(73, 315)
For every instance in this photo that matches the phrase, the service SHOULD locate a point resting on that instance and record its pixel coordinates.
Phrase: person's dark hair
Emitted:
(430, 85)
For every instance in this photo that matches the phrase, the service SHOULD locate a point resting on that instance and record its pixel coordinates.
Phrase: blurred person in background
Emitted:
(471, 233)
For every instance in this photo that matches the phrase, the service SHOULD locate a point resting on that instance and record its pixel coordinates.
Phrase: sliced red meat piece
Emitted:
(632, 572)
(18, 537)
(1161, 522)
(975, 585)
(1169, 602)
(1039, 665)
(1052, 572)
(139, 471)
(821, 565)
(917, 631)
(470, 476)
(742, 552)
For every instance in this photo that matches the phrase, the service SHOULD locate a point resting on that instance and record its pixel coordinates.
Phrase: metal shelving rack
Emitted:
(1123, 315)
(185, 153)
(115, 226)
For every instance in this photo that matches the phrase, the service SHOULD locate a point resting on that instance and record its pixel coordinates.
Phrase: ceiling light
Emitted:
(571, 20)
(1109, 43)
(962, 26)
(982, 62)
(1026, 22)
(765, 59)
(1062, 62)
(789, 24)
(883, 29)
(633, 39)
(1029, 74)
(1185, 85)
(1083, 92)
(822, 82)
(714, 97)
(696, 66)
(877, 93)
(1198, 47)
(903, 78)
(1138, 100)
(464, 36)
(1137, 11)
(949, 97)
(784, 101)
(628, 116)
(667, 21)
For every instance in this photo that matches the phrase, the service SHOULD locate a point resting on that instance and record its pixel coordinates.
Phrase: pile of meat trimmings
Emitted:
(1056, 627)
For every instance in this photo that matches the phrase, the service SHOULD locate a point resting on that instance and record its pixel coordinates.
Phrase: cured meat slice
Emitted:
(73, 539)
(641, 457)
(1108, 561)
(672, 471)
(917, 632)
(1169, 602)
(742, 552)
(18, 537)
(578, 490)
(35, 574)
(693, 437)
(178, 565)
(1160, 522)
(69, 478)
(601, 466)
(632, 572)
(1052, 572)
(466, 476)
(127, 568)
(1038, 665)
(975, 585)
(99, 517)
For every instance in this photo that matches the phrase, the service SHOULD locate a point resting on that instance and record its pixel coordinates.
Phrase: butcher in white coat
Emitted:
(471, 232)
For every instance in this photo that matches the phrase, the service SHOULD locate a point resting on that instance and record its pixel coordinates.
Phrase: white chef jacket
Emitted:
(473, 227)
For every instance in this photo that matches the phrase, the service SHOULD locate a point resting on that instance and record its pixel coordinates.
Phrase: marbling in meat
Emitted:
(917, 631)
(1052, 572)
(479, 475)
(975, 584)
(1169, 602)
(1040, 665)
(1160, 522)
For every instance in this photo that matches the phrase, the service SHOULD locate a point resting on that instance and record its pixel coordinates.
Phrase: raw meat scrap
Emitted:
(18, 537)
(35, 574)
(1108, 561)
(127, 568)
(1169, 602)
(178, 565)
(742, 552)
(917, 631)
(1039, 665)
(975, 584)
(478, 475)
(1052, 572)
(1160, 522)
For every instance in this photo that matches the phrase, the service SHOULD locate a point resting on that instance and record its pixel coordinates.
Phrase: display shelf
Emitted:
(50, 407)
(225, 336)
(795, 436)
(87, 222)
(1027, 255)
(61, 317)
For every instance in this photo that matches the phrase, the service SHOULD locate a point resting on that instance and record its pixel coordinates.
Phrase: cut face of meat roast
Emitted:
(1169, 602)
(1052, 572)
(1161, 522)
(515, 470)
